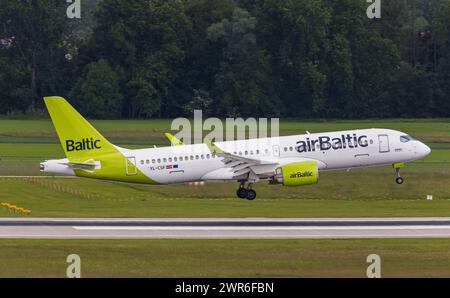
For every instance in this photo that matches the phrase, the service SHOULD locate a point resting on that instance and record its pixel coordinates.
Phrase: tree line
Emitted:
(286, 58)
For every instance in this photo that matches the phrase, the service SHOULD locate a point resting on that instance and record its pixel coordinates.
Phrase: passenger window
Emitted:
(170, 159)
(192, 157)
(207, 156)
(202, 156)
(175, 159)
(165, 159)
(159, 160)
(181, 158)
(290, 148)
(285, 149)
(153, 161)
(147, 161)
(196, 157)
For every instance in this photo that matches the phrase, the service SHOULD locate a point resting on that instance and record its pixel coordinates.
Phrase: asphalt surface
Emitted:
(224, 228)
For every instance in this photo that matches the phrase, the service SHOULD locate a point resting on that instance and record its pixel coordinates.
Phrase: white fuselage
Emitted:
(357, 148)
(290, 160)
(330, 150)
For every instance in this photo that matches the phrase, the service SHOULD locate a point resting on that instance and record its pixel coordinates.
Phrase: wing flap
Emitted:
(239, 164)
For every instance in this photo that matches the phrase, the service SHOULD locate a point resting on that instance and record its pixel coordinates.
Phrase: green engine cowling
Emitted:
(298, 173)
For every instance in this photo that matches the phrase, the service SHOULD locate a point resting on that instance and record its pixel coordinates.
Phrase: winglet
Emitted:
(173, 140)
(212, 147)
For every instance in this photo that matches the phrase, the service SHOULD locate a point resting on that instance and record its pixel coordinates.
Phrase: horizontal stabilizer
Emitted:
(88, 165)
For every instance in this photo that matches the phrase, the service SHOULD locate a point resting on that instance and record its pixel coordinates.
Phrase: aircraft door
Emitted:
(383, 141)
(131, 166)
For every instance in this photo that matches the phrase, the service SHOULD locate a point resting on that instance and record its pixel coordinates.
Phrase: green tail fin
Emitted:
(78, 137)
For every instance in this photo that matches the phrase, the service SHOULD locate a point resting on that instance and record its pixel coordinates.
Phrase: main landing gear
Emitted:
(397, 167)
(246, 193)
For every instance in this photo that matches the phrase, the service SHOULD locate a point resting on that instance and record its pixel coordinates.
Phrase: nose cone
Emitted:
(424, 150)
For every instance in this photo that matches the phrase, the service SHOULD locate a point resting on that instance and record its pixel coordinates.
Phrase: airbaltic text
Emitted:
(326, 143)
(84, 144)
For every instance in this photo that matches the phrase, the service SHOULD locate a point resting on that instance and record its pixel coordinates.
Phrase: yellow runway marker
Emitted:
(14, 208)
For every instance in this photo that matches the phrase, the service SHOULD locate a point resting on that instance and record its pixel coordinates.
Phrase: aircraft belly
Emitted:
(185, 172)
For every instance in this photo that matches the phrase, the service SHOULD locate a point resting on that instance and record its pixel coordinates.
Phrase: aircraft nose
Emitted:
(424, 150)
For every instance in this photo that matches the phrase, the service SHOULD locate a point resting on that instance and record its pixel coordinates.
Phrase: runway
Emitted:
(224, 228)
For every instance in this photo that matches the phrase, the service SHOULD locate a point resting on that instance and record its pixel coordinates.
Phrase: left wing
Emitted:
(240, 165)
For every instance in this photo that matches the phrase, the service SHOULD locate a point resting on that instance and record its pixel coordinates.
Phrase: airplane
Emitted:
(287, 160)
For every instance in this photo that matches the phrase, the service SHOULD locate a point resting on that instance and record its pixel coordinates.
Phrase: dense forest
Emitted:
(287, 58)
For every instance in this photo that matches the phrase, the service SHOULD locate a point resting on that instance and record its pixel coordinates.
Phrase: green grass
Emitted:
(357, 193)
(221, 258)
(360, 192)
(149, 132)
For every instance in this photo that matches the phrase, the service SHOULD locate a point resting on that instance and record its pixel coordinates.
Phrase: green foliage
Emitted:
(146, 40)
(200, 101)
(290, 58)
(32, 49)
(241, 85)
(97, 92)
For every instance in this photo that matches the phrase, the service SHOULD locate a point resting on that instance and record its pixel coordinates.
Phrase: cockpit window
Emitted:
(405, 139)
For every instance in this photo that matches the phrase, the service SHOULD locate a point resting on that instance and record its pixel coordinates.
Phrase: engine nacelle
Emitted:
(298, 173)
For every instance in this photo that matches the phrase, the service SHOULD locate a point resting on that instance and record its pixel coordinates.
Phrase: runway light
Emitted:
(429, 197)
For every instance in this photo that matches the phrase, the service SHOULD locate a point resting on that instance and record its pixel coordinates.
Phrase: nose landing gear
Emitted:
(397, 167)
(399, 180)
(246, 193)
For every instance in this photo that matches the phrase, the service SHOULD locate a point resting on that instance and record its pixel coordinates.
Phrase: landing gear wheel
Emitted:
(399, 178)
(251, 194)
(241, 193)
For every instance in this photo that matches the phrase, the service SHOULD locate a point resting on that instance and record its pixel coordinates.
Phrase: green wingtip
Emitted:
(173, 140)
(212, 147)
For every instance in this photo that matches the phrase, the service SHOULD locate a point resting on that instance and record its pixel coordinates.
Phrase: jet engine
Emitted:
(298, 173)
